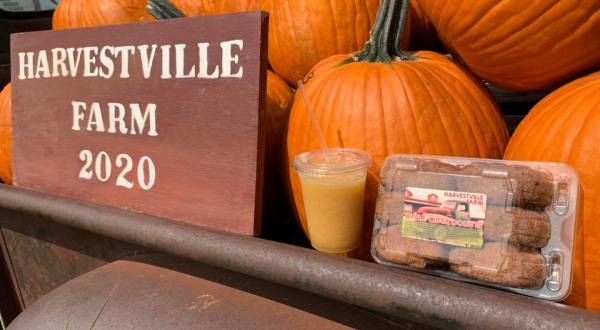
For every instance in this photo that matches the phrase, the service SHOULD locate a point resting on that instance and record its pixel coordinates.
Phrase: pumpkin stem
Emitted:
(163, 9)
(386, 35)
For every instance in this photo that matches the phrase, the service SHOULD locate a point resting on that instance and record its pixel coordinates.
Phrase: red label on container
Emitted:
(448, 217)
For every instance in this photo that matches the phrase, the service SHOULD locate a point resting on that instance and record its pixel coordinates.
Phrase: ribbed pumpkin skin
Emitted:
(278, 91)
(520, 45)
(565, 127)
(66, 15)
(427, 106)
(212, 7)
(6, 134)
(303, 32)
(109, 12)
(88, 13)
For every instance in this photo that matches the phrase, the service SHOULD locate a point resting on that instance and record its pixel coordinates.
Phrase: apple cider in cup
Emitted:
(333, 190)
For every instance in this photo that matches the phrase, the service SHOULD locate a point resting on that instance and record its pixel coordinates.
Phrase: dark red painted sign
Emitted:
(162, 118)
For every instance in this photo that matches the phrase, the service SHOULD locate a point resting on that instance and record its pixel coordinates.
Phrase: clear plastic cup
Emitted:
(333, 189)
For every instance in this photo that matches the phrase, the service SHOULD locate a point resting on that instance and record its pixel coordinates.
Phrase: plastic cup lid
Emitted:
(331, 161)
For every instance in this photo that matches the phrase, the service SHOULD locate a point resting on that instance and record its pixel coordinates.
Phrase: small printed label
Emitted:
(447, 217)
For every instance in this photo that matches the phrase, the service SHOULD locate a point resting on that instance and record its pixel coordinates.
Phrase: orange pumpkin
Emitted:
(6, 134)
(386, 101)
(212, 7)
(84, 13)
(303, 32)
(279, 95)
(520, 45)
(565, 127)
(66, 15)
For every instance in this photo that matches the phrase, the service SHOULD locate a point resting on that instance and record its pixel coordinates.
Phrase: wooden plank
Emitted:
(202, 136)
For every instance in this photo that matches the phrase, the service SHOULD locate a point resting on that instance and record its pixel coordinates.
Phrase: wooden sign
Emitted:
(161, 118)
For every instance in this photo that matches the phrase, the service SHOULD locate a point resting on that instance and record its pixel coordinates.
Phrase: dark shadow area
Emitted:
(514, 112)
(13, 22)
(284, 229)
(8, 298)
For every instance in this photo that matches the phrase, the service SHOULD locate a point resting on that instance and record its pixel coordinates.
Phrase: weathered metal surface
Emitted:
(399, 293)
(46, 254)
(189, 298)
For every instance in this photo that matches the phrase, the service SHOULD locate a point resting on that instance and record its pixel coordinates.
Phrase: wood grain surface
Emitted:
(209, 150)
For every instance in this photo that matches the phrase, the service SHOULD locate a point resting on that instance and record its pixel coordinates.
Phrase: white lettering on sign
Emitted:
(147, 59)
(77, 114)
(203, 50)
(73, 61)
(116, 114)
(43, 69)
(101, 167)
(114, 61)
(126, 120)
(25, 63)
(89, 61)
(108, 67)
(95, 121)
(180, 62)
(126, 161)
(123, 52)
(94, 117)
(59, 67)
(229, 58)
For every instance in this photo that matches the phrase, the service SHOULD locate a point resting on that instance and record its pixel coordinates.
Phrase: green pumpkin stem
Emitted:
(386, 35)
(163, 9)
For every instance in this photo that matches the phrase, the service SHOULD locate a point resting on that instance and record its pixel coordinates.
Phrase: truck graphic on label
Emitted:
(444, 216)
(458, 210)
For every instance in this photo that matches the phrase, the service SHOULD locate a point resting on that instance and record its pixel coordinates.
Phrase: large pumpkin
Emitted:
(6, 134)
(85, 13)
(565, 127)
(303, 32)
(212, 7)
(520, 45)
(67, 15)
(386, 101)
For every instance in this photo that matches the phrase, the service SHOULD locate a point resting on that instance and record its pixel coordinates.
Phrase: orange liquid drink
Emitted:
(333, 190)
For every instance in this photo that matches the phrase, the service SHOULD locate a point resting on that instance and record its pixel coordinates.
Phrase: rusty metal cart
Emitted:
(154, 273)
